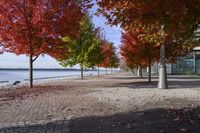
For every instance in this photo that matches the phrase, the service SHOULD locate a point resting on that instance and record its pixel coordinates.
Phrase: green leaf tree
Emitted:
(114, 60)
(86, 50)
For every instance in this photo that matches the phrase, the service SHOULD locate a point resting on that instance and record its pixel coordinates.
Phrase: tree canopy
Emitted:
(35, 27)
(136, 51)
(86, 49)
(110, 58)
(178, 19)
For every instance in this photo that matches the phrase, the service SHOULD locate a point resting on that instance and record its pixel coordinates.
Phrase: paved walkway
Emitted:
(59, 126)
(50, 111)
(39, 113)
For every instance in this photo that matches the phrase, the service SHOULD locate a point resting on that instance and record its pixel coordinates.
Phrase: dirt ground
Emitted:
(118, 103)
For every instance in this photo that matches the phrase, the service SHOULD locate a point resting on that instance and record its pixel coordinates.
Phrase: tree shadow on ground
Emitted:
(133, 77)
(148, 121)
(174, 82)
(183, 84)
(59, 126)
(138, 85)
(183, 77)
(176, 77)
(154, 84)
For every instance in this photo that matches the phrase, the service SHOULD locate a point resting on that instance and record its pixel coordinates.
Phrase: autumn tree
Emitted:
(35, 27)
(176, 19)
(175, 15)
(101, 37)
(110, 58)
(137, 52)
(114, 60)
(108, 54)
(140, 48)
(86, 49)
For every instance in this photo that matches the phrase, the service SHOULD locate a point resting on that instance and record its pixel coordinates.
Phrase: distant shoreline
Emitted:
(47, 69)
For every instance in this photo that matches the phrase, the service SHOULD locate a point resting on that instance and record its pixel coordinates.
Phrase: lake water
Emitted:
(9, 76)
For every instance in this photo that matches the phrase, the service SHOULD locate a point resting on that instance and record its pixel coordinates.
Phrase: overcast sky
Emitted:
(9, 60)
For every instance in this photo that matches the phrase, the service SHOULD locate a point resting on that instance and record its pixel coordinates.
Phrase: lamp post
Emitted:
(162, 82)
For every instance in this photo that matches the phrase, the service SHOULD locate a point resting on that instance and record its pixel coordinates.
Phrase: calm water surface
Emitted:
(22, 75)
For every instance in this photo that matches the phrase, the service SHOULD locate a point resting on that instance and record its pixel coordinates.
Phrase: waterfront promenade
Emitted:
(118, 103)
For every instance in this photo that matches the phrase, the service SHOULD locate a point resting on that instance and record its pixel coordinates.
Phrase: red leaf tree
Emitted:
(35, 27)
(177, 19)
(110, 58)
(137, 52)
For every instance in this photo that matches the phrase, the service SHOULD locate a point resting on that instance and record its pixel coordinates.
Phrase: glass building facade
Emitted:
(189, 64)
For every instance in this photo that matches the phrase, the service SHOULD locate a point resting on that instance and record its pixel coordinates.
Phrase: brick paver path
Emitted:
(36, 114)
(28, 114)
(39, 113)
(60, 126)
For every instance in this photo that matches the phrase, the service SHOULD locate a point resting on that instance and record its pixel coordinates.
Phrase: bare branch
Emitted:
(35, 58)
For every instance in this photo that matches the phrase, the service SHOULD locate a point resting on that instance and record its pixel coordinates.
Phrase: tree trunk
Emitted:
(30, 70)
(111, 70)
(98, 72)
(149, 69)
(81, 72)
(106, 70)
(134, 71)
(138, 72)
(141, 73)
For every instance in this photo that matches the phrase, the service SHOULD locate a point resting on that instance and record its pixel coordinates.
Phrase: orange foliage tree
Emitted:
(137, 52)
(35, 27)
(174, 15)
(177, 21)
(110, 58)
